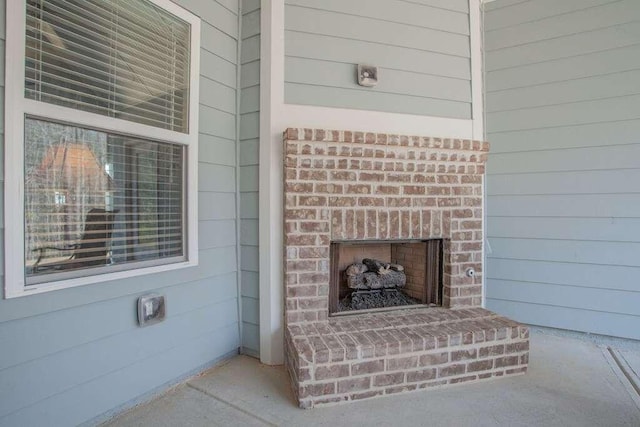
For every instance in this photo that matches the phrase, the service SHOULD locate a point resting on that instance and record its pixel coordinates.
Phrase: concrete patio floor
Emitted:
(571, 382)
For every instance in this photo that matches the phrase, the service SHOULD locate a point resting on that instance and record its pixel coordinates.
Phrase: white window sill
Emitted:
(13, 292)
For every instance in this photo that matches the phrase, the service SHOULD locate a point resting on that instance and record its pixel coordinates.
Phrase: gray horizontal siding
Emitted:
(575, 44)
(333, 49)
(354, 98)
(562, 111)
(421, 48)
(564, 205)
(591, 18)
(511, 13)
(405, 83)
(71, 355)
(249, 154)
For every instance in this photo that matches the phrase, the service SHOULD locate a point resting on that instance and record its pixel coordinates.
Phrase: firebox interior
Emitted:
(420, 260)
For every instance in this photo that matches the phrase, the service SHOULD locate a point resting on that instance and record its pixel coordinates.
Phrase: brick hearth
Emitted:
(368, 355)
(342, 185)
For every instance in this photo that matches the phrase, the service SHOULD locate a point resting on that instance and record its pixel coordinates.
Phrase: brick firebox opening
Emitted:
(421, 263)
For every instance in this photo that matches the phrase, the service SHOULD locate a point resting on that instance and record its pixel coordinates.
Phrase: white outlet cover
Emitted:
(151, 309)
(367, 75)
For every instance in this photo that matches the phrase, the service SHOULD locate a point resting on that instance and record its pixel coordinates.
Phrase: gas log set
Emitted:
(375, 284)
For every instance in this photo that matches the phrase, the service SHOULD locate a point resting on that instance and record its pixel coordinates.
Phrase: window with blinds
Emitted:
(99, 201)
(104, 141)
(127, 59)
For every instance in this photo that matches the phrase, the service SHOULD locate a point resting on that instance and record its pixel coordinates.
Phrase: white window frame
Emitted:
(17, 106)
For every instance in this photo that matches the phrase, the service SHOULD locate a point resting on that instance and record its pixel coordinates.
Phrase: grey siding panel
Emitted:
(249, 182)
(216, 206)
(321, 22)
(250, 100)
(225, 71)
(592, 18)
(215, 150)
(584, 135)
(587, 229)
(217, 122)
(250, 5)
(340, 75)
(568, 159)
(249, 205)
(37, 340)
(333, 49)
(250, 310)
(564, 205)
(250, 24)
(213, 263)
(106, 355)
(78, 353)
(563, 274)
(568, 251)
(249, 259)
(215, 14)
(218, 42)
(217, 95)
(248, 170)
(513, 13)
(250, 128)
(578, 90)
(250, 285)
(455, 5)
(601, 110)
(97, 395)
(249, 233)
(396, 11)
(216, 178)
(249, 152)
(421, 49)
(215, 234)
(564, 69)
(572, 45)
(493, 5)
(563, 225)
(232, 5)
(354, 98)
(615, 181)
(251, 339)
(250, 74)
(591, 321)
(590, 299)
(250, 49)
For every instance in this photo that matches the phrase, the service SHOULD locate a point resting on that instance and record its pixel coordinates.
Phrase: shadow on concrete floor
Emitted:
(570, 382)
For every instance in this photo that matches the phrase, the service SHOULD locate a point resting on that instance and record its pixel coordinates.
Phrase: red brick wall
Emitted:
(343, 185)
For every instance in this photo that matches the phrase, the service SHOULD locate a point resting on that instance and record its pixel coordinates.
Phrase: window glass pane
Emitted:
(95, 200)
(124, 59)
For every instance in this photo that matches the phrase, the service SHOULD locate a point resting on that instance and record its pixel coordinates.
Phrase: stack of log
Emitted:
(372, 274)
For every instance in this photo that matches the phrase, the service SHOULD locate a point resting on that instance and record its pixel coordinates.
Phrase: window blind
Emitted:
(119, 58)
(99, 200)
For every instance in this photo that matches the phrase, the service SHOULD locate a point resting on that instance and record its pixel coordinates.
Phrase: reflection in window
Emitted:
(99, 200)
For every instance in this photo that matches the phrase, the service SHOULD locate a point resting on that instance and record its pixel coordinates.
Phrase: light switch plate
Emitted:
(367, 75)
(151, 309)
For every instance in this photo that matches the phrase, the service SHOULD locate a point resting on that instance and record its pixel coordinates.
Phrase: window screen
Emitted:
(97, 200)
(119, 58)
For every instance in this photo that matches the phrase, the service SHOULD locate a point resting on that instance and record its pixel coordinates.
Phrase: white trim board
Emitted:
(276, 116)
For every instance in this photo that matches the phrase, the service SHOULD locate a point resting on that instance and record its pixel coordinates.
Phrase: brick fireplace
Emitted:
(357, 187)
